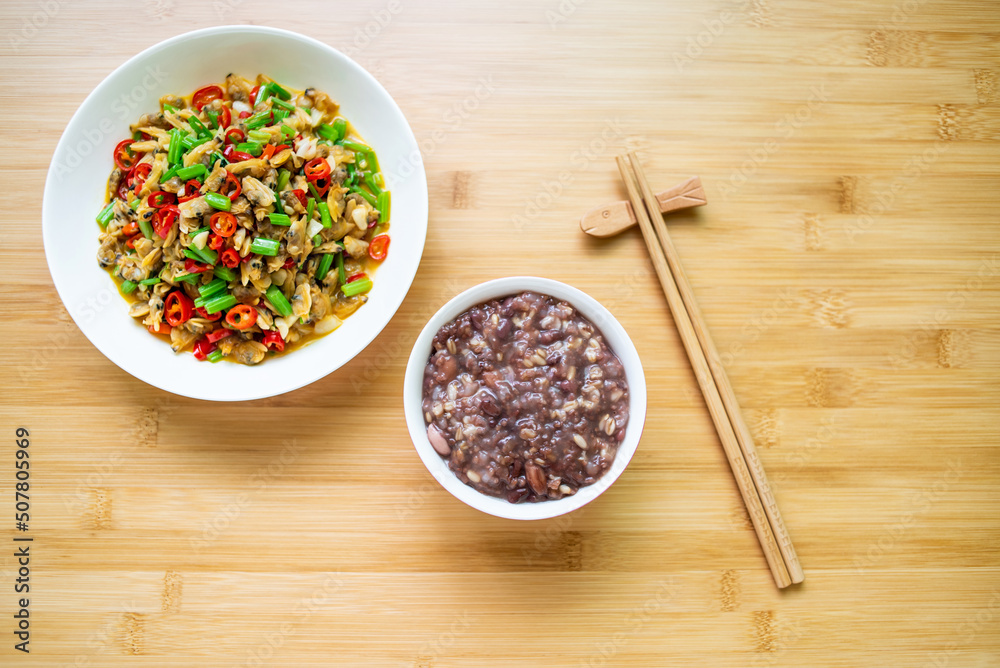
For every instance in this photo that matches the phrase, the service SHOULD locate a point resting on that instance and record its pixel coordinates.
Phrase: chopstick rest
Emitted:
(610, 219)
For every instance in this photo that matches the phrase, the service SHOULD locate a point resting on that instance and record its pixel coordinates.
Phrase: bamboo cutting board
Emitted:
(846, 264)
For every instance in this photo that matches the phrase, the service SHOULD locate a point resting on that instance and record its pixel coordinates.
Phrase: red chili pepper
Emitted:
(212, 317)
(230, 258)
(123, 188)
(281, 147)
(356, 277)
(322, 185)
(253, 94)
(160, 328)
(203, 96)
(124, 158)
(225, 117)
(242, 316)
(234, 183)
(215, 242)
(164, 219)
(192, 189)
(289, 263)
(131, 229)
(192, 267)
(202, 348)
(317, 168)
(132, 239)
(137, 176)
(244, 114)
(240, 136)
(160, 199)
(223, 223)
(267, 152)
(379, 247)
(239, 156)
(301, 194)
(177, 308)
(217, 335)
(273, 340)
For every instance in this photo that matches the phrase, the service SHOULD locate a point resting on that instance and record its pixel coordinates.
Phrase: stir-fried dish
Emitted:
(244, 220)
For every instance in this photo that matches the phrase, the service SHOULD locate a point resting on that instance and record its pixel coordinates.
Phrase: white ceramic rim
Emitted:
(277, 384)
(614, 334)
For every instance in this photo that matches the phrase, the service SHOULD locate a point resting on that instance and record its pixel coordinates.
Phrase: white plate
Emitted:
(82, 162)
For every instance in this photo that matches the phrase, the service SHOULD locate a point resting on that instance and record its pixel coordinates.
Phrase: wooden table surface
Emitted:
(847, 265)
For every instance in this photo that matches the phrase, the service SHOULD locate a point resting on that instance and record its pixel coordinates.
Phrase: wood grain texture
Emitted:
(846, 266)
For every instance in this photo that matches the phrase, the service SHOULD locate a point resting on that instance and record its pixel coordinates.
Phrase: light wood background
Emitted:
(847, 264)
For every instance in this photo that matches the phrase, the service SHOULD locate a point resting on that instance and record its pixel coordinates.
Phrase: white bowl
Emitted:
(614, 335)
(75, 187)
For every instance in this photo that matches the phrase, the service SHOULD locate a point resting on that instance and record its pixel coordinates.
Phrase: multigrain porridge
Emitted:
(524, 398)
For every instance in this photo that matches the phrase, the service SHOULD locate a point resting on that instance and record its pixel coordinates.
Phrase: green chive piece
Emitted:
(173, 150)
(213, 118)
(284, 176)
(258, 120)
(150, 281)
(310, 209)
(278, 301)
(356, 146)
(372, 185)
(325, 262)
(169, 174)
(194, 171)
(146, 227)
(198, 127)
(128, 287)
(106, 214)
(279, 115)
(281, 103)
(340, 268)
(187, 278)
(225, 273)
(213, 288)
(280, 219)
(288, 130)
(251, 147)
(367, 195)
(259, 135)
(279, 91)
(313, 190)
(169, 109)
(327, 132)
(357, 287)
(135, 203)
(264, 246)
(340, 125)
(205, 255)
(199, 231)
(217, 201)
(214, 356)
(383, 203)
(190, 142)
(199, 302)
(324, 214)
(220, 303)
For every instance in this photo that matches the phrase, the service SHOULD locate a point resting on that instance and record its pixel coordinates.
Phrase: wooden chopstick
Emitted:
(725, 388)
(703, 374)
